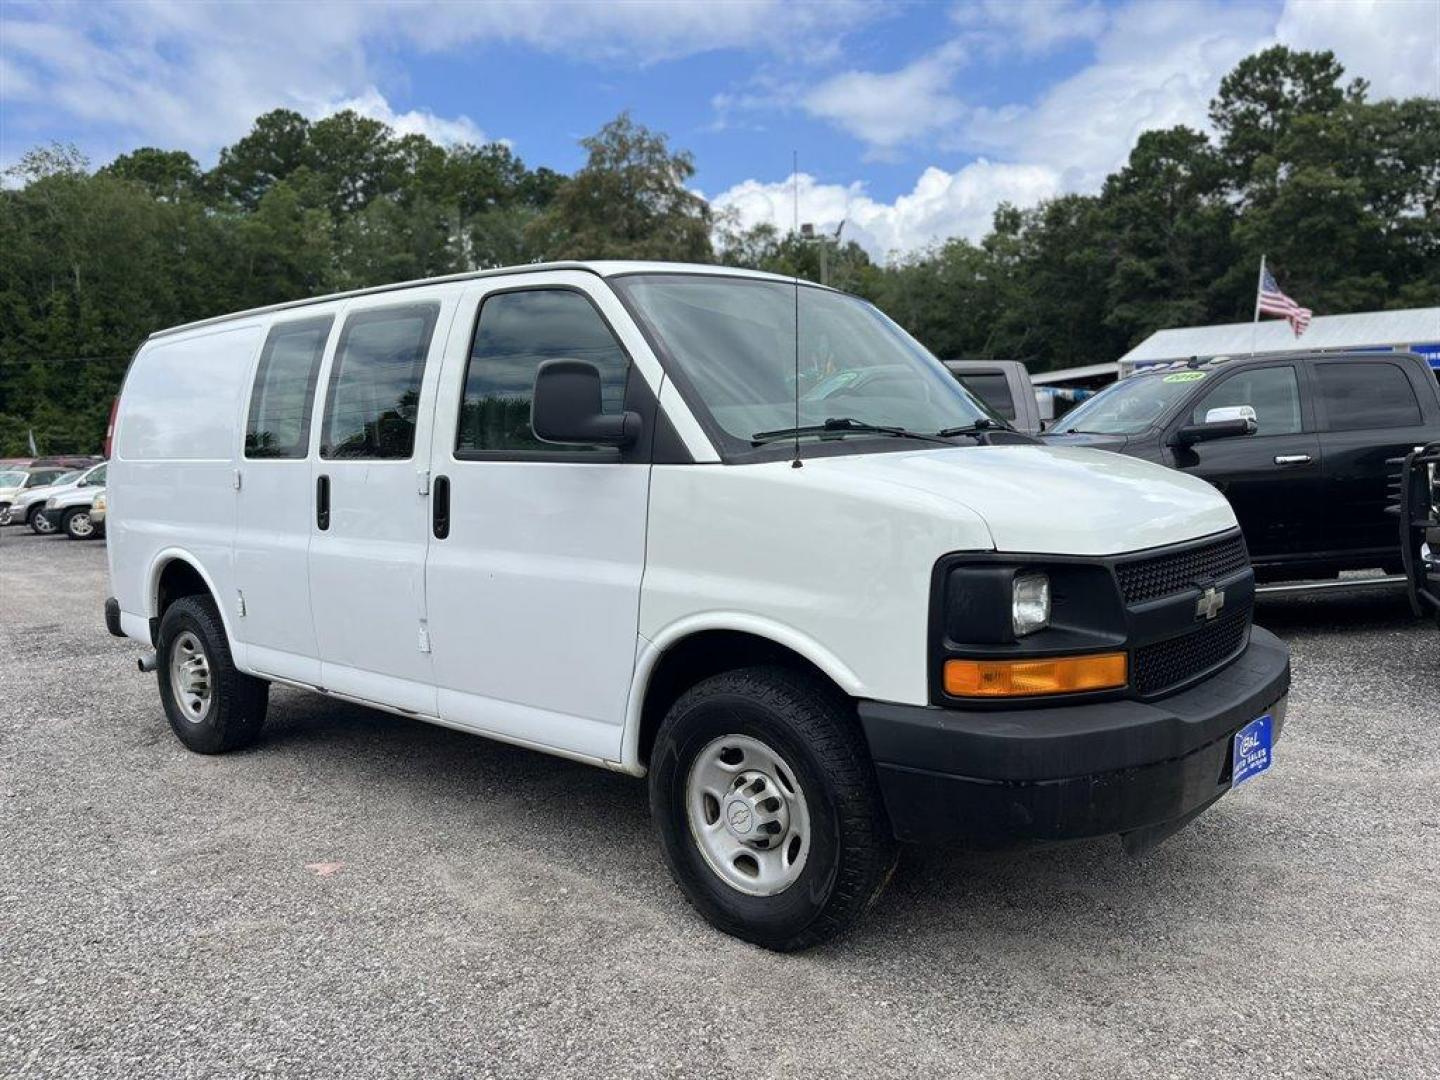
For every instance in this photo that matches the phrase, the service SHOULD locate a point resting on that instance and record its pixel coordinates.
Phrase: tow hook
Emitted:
(147, 662)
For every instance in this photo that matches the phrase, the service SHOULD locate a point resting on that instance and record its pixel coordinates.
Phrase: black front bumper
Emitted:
(1019, 776)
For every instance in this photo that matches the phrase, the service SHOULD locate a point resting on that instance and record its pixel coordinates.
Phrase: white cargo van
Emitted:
(604, 511)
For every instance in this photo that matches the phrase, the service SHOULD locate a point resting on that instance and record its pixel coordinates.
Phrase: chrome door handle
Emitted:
(1292, 459)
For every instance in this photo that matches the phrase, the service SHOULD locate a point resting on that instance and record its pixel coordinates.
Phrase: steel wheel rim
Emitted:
(748, 815)
(190, 677)
(81, 525)
(42, 524)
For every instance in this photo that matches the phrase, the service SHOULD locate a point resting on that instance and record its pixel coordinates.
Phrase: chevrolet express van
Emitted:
(601, 510)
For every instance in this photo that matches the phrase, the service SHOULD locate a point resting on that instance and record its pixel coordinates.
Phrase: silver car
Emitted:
(28, 507)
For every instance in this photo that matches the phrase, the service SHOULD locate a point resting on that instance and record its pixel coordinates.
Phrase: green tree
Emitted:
(628, 202)
(1342, 193)
(1260, 99)
(276, 146)
(1168, 225)
(166, 175)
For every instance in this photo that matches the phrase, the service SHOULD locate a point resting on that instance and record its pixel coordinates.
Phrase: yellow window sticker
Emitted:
(1184, 376)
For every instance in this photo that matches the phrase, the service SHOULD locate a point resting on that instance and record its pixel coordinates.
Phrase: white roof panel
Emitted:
(1413, 326)
(1089, 371)
(604, 268)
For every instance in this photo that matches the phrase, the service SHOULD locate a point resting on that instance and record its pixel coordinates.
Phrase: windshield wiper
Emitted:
(985, 423)
(839, 425)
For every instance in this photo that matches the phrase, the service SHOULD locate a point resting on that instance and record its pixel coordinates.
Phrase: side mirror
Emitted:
(1230, 412)
(1220, 429)
(567, 408)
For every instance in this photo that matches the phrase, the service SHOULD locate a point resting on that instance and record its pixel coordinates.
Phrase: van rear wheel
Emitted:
(211, 705)
(767, 808)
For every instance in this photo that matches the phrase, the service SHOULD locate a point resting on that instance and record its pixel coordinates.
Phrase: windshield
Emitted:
(1130, 405)
(13, 479)
(733, 340)
(67, 478)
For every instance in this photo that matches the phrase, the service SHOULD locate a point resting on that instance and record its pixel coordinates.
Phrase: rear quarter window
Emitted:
(1366, 394)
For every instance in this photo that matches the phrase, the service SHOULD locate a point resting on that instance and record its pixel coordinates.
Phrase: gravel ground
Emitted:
(363, 895)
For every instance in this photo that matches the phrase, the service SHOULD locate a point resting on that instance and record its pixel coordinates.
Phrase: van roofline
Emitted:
(600, 268)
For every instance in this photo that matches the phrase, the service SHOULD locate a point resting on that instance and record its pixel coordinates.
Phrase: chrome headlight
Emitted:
(50, 504)
(1030, 603)
(99, 503)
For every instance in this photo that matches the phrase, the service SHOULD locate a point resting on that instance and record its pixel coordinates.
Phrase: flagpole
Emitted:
(1255, 322)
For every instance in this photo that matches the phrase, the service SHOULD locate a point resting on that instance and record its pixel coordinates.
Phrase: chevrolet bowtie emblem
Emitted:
(1209, 604)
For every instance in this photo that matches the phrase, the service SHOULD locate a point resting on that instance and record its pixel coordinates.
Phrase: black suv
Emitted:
(1302, 444)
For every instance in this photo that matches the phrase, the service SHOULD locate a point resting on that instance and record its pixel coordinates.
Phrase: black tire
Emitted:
(77, 524)
(236, 710)
(813, 728)
(38, 522)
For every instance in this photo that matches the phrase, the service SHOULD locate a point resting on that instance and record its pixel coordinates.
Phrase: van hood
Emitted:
(1054, 500)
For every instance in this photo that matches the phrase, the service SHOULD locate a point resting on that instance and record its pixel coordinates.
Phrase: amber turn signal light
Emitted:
(1027, 678)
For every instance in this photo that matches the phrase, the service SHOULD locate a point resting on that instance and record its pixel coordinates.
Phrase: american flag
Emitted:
(1272, 301)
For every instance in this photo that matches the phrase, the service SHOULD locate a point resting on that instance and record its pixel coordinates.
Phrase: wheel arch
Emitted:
(174, 573)
(696, 648)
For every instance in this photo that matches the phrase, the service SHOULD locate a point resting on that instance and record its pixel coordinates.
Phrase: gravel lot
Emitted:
(498, 912)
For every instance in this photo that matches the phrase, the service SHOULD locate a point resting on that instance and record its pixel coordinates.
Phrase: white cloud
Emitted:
(195, 75)
(888, 109)
(941, 204)
(445, 131)
(1032, 29)
(637, 31)
(1395, 44)
(1157, 66)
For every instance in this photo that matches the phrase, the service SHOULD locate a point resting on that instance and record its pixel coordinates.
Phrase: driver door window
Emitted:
(1274, 394)
(515, 334)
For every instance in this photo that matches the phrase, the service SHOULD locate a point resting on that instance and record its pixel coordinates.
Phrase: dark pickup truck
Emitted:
(1302, 444)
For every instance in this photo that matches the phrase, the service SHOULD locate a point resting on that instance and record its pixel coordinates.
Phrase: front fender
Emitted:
(651, 650)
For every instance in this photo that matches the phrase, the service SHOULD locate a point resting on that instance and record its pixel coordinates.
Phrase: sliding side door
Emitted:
(370, 523)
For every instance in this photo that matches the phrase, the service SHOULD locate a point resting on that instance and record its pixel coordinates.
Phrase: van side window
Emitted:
(1366, 394)
(515, 332)
(1274, 394)
(375, 383)
(284, 390)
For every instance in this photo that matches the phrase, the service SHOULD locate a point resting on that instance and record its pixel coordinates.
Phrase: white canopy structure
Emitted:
(1414, 329)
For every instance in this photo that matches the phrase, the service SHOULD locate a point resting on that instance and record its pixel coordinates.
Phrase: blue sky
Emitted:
(911, 120)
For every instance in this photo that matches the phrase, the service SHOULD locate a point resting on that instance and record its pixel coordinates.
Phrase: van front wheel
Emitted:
(211, 705)
(766, 804)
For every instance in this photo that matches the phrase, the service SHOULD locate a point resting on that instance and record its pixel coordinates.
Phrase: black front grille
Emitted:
(1164, 575)
(1158, 667)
